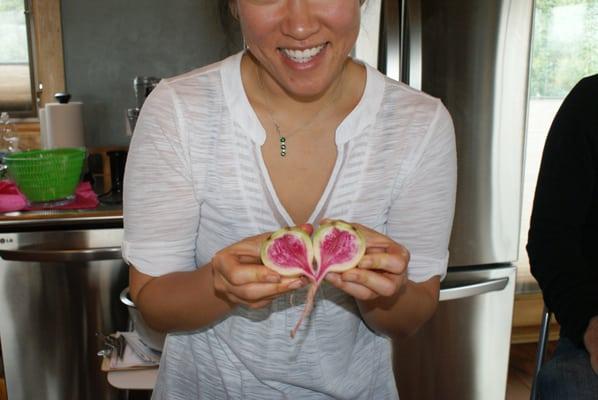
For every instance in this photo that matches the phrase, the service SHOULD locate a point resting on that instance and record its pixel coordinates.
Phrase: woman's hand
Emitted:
(241, 278)
(382, 272)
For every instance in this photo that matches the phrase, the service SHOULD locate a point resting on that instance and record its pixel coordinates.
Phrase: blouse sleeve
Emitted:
(422, 211)
(161, 211)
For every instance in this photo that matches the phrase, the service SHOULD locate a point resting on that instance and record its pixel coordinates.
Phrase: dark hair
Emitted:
(226, 18)
(230, 27)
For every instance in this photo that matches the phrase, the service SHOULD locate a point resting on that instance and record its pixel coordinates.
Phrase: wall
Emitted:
(107, 43)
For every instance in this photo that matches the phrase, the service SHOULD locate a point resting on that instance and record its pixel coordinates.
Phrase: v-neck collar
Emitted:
(244, 115)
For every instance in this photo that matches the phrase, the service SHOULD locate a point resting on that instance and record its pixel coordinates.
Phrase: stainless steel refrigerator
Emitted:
(474, 55)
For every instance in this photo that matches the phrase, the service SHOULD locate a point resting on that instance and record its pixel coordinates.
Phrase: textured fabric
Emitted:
(568, 375)
(564, 224)
(196, 182)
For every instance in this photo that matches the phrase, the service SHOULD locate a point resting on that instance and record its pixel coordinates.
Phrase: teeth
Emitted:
(302, 56)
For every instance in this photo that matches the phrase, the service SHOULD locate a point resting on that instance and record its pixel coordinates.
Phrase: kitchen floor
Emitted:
(3, 395)
(521, 369)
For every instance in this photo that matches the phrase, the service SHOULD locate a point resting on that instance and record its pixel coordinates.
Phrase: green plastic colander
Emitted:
(46, 175)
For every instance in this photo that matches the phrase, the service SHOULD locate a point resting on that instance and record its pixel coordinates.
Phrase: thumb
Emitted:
(308, 228)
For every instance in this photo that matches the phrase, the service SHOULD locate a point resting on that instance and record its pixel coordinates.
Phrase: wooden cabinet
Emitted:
(527, 316)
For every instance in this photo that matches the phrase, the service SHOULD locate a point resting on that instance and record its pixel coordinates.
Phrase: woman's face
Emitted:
(302, 44)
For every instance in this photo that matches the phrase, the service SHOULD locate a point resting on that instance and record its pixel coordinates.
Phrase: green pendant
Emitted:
(283, 146)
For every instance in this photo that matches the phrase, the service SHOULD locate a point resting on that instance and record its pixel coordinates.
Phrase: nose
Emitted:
(301, 20)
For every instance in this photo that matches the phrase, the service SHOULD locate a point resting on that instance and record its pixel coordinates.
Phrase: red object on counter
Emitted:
(11, 199)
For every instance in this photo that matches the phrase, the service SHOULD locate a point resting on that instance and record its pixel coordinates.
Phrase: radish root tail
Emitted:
(309, 305)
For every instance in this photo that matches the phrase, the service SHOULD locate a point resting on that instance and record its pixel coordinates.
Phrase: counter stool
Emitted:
(541, 350)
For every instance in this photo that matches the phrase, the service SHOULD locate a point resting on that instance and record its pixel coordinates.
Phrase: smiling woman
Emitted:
(291, 131)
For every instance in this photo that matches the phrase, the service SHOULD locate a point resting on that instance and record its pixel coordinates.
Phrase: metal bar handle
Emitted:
(78, 255)
(392, 24)
(473, 289)
(413, 35)
(541, 350)
(125, 298)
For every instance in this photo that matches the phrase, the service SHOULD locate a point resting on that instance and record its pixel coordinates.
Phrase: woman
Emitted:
(288, 132)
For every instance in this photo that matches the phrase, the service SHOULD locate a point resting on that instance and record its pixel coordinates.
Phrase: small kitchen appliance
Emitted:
(117, 158)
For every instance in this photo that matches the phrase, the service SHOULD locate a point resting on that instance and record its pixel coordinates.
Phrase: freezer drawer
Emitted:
(462, 353)
(57, 291)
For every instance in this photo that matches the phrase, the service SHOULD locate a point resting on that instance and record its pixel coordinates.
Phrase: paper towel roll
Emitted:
(62, 125)
(43, 130)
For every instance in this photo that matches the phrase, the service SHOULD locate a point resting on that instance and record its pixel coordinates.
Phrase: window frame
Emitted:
(44, 24)
(48, 51)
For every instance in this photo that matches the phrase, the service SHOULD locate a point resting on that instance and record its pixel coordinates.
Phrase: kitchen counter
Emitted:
(104, 216)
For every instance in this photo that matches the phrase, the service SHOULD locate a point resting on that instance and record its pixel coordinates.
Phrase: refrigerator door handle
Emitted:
(473, 289)
(79, 255)
(411, 55)
(391, 35)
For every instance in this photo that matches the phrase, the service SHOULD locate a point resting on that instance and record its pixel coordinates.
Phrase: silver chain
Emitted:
(282, 139)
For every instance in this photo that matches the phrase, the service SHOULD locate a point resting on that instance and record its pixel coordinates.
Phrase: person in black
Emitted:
(563, 244)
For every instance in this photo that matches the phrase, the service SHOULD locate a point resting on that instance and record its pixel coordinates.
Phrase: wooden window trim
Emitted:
(527, 317)
(48, 64)
(47, 49)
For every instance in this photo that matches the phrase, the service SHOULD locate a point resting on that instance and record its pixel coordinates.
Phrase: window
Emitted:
(564, 50)
(16, 83)
(31, 55)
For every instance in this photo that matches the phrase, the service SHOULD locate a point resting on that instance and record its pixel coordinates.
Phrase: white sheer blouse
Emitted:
(196, 182)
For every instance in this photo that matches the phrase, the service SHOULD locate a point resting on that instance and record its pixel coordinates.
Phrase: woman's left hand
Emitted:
(382, 272)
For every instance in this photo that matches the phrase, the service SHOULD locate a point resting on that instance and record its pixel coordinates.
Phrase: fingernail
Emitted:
(295, 284)
(272, 278)
(367, 263)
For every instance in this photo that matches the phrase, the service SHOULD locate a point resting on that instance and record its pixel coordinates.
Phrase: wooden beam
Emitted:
(47, 48)
(527, 318)
(3, 391)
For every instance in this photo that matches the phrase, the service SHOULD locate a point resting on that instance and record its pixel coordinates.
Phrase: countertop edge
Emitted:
(61, 219)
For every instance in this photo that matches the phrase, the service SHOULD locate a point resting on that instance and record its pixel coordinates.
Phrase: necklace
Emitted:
(282, 139)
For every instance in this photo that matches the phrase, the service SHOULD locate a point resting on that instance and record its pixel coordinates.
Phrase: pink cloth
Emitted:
(11, 199)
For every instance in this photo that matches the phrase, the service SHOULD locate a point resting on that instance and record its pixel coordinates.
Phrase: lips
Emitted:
(304, 55)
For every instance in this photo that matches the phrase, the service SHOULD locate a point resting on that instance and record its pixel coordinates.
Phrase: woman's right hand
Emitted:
(241, 278)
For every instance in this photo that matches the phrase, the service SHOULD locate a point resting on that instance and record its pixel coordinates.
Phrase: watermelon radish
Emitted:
(335, 247)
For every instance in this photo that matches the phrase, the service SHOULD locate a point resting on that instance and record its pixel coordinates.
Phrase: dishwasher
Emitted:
(60, 280)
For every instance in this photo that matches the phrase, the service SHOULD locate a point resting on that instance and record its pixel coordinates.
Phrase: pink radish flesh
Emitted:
(336, 246)
(336, 250)
(291, 252)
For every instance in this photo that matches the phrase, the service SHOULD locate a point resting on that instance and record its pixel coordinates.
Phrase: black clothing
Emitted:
(563, 235)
